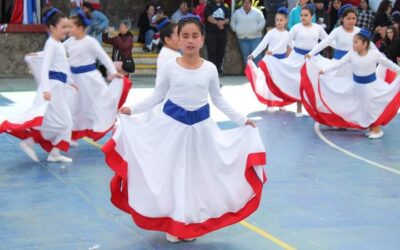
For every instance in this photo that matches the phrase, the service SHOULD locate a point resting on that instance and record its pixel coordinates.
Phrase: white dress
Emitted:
(95, 107)
(359, 101)
(48, 123)
(262, 87)
(180, 173)
(284, 75)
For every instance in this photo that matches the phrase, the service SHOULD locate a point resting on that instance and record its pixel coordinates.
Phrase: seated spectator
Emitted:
(379, 35)
(199, 10)
(147, 27)
(365, 16)
(182, 11)
(321, 15)
(122, 48)
(99, 22)
(391, 44)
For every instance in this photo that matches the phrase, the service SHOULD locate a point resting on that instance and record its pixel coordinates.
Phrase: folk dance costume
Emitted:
(284, 74)
(262, 86)
(96, 105)
(48, 123)
(180, 173)
(359, 101)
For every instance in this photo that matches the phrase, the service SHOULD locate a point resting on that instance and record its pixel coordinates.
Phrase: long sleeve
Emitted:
(336, 65)
(48, 54)
(156, 97)
(288, 40)
(103, 20)
(383, 60)
(322, 32)
(262, 45)
(261, 22)
(221, 103)
(100, 54)
(324, 43)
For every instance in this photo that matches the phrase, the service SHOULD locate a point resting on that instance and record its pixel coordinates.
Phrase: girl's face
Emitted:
(389, 9)
(280, 21)
(358, 45)
(389, 34)
(173, 41)
(364, 5)
(336, 4)
(349, 21)
(123, 29)
(151, 11)
(60, 31)
(190, 39)
(382, 32)
(76, 30)
(306, 17)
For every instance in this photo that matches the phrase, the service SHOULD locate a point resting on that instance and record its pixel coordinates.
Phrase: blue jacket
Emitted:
(294, 17)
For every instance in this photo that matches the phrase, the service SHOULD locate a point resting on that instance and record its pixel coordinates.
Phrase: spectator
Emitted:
(379, 36)
(122, 48)
(182, 11)
(271, 7)
(382, 17)
(76, 5)
(396, 19)
(199, 10)
(217, 18)
(294, 17)
(391, 44)
(334, 13)
(321, 15)
(99, 22)
(365, 16)
(147, 27)
(248, 24)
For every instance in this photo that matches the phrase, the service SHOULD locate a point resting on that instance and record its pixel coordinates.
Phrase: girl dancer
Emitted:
(285, 74)
(167, 182)
(96, 106)
(261, 85)
(359, 101)
(48, 122)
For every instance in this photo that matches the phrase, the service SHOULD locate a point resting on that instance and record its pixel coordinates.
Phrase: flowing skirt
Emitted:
(49, 123)
(342, 102)
(186, 180)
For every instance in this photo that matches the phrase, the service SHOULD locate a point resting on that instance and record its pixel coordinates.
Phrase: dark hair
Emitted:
(88, 5)
(52, 16)
(167, 30)
(367, 2)
(192, 19)
(348, 11)
(364, 39)
(80, 19)
(393, 43)
(383, 6)
(148, 6)
(309, 8)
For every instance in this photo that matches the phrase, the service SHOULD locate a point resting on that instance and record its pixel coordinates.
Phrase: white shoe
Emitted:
(74, 144)
(29, 151)
(376, 135)
(172, 239)
(298, 115)
(368, 133)
(58, 158)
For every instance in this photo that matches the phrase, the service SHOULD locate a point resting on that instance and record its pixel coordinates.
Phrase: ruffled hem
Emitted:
(119, 197)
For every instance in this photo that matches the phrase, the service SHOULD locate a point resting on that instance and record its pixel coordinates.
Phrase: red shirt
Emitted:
(199, 10)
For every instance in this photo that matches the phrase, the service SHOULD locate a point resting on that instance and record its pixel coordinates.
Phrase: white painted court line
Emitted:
(323, 138)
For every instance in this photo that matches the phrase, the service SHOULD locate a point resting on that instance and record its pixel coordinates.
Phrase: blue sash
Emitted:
(337, 54)
(59, 76)
(185, 116)
(83, 69)
(301, 51)
(364, 79)
(280, 56)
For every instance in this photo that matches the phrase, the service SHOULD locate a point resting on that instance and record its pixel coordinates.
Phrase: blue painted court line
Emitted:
(5, 101)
